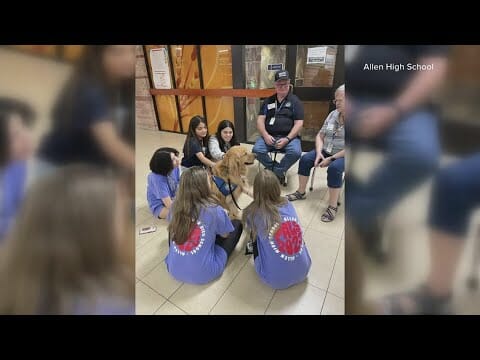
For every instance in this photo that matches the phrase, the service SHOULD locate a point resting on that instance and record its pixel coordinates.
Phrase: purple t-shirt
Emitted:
(283, 259)
(159, 187)
(12, 190)
(199, 260)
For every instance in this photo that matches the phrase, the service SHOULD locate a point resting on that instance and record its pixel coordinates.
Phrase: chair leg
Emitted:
(312, 179)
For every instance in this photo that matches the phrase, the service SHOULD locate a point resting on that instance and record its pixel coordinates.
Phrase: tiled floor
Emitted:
(238, 290)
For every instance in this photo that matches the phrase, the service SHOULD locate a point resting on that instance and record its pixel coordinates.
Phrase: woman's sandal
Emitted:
(296, 196)
(329, 214)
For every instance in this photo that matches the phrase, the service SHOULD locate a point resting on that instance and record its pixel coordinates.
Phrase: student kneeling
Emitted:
(281, 257)
(202, 237)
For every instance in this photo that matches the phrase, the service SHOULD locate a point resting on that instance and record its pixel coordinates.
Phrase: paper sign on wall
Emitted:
(317, 55)
(160, 70)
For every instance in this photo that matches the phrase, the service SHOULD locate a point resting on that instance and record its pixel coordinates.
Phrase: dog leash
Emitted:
(231, 193)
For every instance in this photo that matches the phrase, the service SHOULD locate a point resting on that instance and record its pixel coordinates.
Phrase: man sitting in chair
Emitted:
(329, 152)
(279, 122)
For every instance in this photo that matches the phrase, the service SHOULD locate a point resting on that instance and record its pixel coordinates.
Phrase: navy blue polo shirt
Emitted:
(285, 113)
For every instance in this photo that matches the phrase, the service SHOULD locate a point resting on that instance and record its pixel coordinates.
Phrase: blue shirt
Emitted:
(283, 259)
(160, 187)
(71, 138)
(190, 151)
(12, 182)
(199, 260)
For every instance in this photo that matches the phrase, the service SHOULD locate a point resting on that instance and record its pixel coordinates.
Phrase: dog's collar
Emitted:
(222, 185)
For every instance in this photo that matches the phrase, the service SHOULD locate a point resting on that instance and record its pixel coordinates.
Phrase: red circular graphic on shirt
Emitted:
(288, 238)
(192, 241)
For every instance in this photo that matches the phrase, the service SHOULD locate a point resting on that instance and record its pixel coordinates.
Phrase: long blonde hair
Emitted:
(267, 199)
(193, 194)
(63, 250)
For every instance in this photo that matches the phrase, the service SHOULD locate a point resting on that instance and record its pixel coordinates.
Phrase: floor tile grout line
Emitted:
(230, 284)
(177, 307)
(150, 271)
(270, 302)
(315, 286)
(334, 263)
(175, 292)
(154, 292)
(331, 275)
(338, 297)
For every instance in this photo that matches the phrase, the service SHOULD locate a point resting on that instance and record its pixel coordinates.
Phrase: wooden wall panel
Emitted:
(186, 73)
(217, 74)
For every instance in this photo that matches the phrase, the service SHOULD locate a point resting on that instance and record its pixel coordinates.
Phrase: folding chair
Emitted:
(273, 157)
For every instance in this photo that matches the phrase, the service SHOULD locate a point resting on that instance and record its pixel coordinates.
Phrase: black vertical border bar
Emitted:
(239, 103)
(291, 63)
(200, 74)
(339, 74)
(147, 60)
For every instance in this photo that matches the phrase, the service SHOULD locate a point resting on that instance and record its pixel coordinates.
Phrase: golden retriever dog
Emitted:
(232, 167)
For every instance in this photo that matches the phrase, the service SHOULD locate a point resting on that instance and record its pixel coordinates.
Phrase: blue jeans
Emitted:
(292, 151)
(411, 149)
(455, 194)
(334, 171)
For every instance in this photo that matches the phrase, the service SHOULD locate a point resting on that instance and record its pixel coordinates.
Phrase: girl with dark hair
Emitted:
(224, 139)
(93, 112)
(163, 181)
(195, 149)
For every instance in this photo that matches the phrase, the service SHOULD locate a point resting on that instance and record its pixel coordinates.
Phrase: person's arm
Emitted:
(113, 146)
(214, 148)
(297, 126)
(423, 84)
(327, 161)
(319, 147)
(167, 201)
(269, 139)
(339, 154)
(205, 161)
(223, 223)
(291, 135)
(377, 119)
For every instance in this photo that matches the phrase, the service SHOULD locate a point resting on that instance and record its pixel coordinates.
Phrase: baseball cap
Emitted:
(282, 75)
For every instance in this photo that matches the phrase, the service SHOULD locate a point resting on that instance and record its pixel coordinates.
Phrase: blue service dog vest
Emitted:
(222, 185)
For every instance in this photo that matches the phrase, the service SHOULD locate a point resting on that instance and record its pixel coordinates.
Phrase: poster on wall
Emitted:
(160, 70)
(317, 55)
